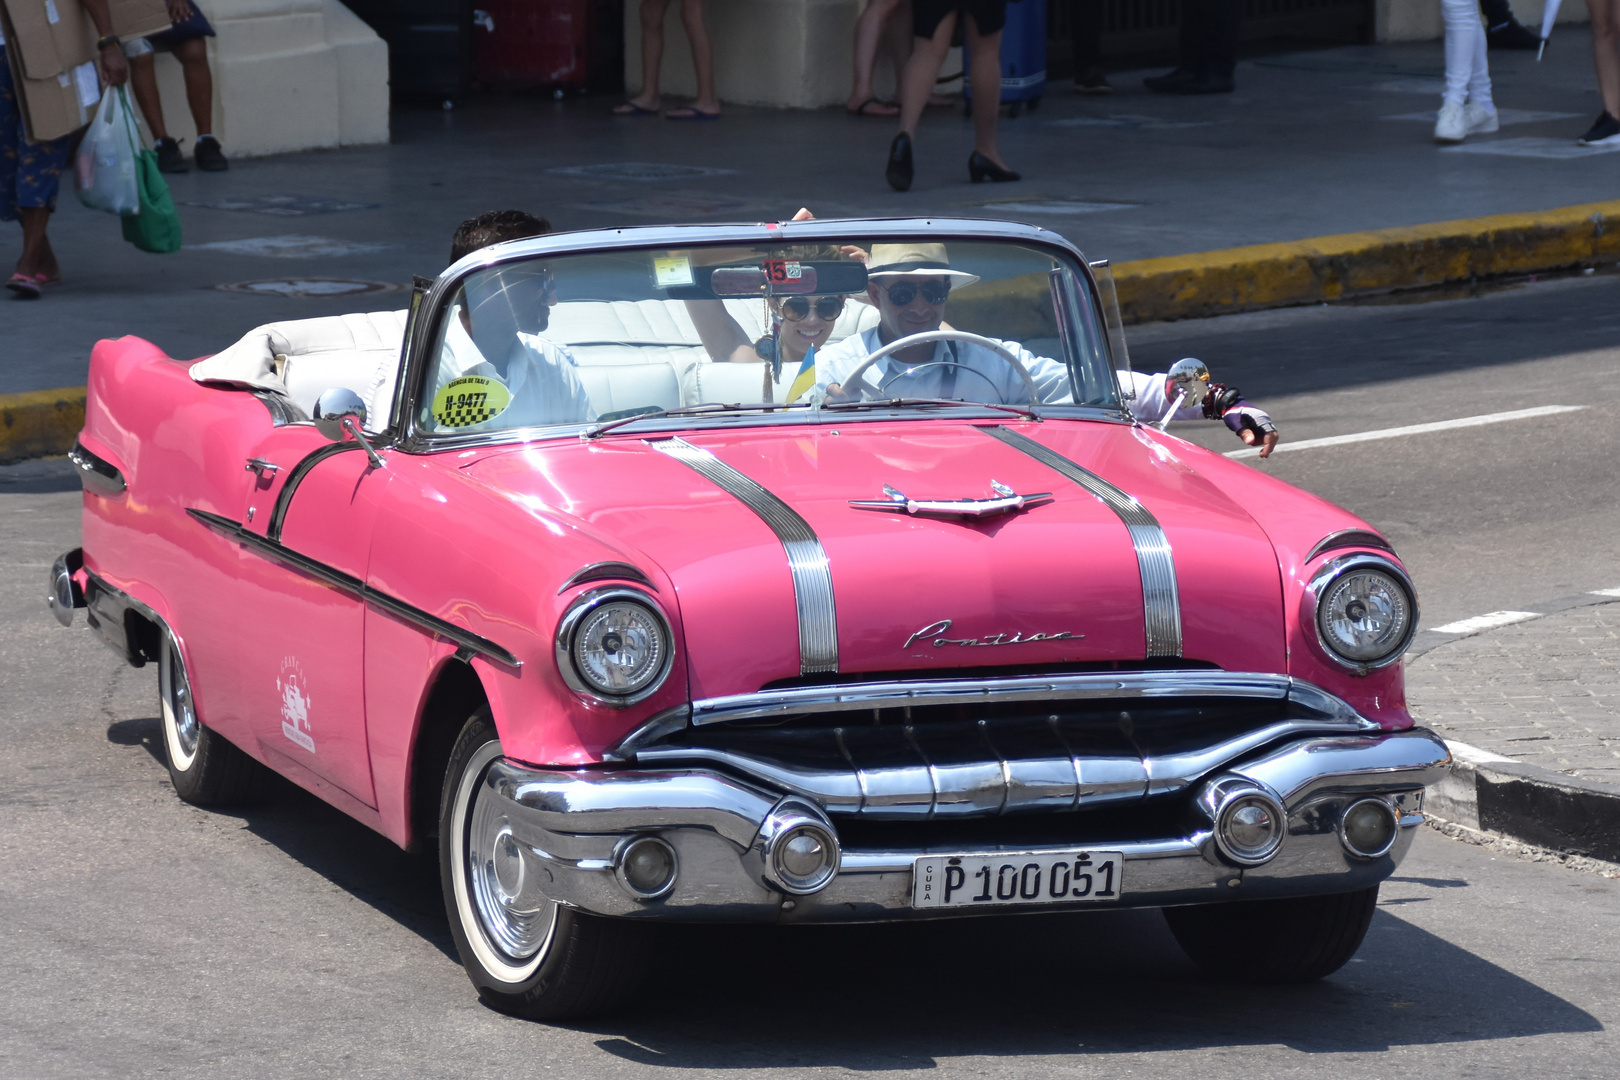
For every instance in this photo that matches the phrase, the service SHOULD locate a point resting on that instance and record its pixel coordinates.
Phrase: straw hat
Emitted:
(914, 259)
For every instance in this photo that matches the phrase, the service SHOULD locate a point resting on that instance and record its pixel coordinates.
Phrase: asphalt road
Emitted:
(145, 937)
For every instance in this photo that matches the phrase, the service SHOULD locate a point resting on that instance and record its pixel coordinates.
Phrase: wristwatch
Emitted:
(106, 41)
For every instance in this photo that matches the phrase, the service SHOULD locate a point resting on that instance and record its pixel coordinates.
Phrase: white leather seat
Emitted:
(303, 358)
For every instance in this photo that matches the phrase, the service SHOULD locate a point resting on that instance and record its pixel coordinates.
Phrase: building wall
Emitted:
(288, 75)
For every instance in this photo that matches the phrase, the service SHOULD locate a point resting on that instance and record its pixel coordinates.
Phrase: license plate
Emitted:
(968, 881)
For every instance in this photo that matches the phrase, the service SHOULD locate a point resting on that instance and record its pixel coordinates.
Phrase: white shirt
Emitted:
(539, 374)
(996, 381)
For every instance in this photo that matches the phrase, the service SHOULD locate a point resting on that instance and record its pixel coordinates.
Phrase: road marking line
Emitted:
(1413, 429)
(1486, 622)
(1473, 755)
(1606, 592)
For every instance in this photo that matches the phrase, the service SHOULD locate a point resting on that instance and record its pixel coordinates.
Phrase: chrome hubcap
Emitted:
(186, 728)
(513, 917)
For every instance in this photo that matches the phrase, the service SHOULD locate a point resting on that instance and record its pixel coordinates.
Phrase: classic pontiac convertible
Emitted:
(895, 618)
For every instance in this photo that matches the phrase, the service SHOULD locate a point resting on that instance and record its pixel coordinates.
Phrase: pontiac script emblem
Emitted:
(936, 632)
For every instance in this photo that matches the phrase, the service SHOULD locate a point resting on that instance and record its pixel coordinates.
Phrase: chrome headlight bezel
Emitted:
(582, 606)
(1330, 572)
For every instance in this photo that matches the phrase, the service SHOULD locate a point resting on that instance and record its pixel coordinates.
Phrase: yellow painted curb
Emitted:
(1366, 263)
(41, 423)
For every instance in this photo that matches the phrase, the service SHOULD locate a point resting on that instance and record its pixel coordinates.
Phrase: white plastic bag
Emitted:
(104, 171)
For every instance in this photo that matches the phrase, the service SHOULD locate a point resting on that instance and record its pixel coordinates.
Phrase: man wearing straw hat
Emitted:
(909, 285)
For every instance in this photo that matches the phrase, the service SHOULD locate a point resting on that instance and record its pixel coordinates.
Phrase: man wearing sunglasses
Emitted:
(910, 284)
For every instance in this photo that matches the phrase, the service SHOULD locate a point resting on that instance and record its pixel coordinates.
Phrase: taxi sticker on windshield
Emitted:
(673, 271)
(469, 400)
(781, 271)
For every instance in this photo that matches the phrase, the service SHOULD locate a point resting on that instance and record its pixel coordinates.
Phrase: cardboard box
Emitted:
(51, 47)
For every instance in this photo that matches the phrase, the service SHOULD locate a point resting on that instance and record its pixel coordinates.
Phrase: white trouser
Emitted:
(1467, 76)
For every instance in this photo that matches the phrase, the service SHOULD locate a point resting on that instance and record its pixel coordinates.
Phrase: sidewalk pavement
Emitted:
(1532, 711)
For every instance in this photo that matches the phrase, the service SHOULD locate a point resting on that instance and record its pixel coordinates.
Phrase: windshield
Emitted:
(903, 326)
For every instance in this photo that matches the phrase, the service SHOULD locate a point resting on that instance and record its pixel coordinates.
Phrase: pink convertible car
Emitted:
(799, 572)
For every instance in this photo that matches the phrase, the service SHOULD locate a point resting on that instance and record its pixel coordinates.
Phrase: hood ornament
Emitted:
(1007, 501)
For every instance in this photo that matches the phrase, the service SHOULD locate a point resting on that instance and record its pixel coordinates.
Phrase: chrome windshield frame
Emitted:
(424, 329)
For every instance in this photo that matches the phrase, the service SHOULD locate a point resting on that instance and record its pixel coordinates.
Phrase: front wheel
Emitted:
(527, 955)
(1294, 940)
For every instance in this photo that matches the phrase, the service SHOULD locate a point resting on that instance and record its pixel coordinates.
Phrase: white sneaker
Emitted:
(1452, 126)
(1481, 119)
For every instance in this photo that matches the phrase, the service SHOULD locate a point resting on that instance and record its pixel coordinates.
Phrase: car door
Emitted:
(300, 673)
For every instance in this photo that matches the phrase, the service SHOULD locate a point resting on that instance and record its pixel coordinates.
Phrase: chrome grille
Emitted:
(990, 758)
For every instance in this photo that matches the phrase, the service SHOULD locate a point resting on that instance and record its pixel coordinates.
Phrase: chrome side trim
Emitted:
(278, 516)
(774, 704)
(1347, 538)
(97, 474)
(995, 786)
(807, 559)
(607, 571)
(356, 588)
(1161, 599)
(282, 410)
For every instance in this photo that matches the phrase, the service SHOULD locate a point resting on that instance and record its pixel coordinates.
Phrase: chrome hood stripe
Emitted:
(807, 559)
(1161, 599)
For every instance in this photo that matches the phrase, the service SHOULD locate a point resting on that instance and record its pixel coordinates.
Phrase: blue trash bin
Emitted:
(1023, 57)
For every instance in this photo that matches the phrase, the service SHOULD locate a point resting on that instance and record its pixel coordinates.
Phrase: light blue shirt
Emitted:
(984, 375)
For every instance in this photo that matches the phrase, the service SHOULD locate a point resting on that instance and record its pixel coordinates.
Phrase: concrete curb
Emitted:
(40, 423)
(1367, 263)
(1536, 806)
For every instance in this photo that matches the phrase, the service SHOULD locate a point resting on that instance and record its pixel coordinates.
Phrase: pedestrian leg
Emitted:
(984, 53)
(652, 60)
(143, 80)
(707, 103)
(922, 68)
(37, 257)
(871, 31)
(916, 82)
(1606, 51)
(193, 56)
(1085, 46)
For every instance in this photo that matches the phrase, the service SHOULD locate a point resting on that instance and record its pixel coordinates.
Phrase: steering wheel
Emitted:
(867, 391)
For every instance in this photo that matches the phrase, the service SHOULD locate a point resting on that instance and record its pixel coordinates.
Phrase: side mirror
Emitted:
(333, 407)
(340, 411)
(1192, 376)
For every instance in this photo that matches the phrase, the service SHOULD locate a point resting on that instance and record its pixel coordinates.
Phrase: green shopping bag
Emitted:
(156, 227)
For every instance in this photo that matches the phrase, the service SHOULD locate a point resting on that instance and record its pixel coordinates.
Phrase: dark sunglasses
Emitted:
(828, 308)
(903, 293)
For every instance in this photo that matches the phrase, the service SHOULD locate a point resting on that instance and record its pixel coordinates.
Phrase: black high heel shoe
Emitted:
(982, 168)
(899, 171)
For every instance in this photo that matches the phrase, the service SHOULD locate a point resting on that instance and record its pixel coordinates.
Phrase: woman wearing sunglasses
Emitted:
(796, 324)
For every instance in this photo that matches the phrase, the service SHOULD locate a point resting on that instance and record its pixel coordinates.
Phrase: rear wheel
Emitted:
(204, 767)
(1299, 939)
(527, 955)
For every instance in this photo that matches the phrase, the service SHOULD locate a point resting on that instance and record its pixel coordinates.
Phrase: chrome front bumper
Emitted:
(571, 825)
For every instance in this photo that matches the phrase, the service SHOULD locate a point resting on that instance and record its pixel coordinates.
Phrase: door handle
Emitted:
(265, 470)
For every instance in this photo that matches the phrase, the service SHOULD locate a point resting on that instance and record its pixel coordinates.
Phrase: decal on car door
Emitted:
(294, 690)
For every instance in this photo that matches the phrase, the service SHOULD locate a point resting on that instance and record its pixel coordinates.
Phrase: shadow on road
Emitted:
(398, 884)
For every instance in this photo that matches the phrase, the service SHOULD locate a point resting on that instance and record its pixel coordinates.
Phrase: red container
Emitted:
(531, 42)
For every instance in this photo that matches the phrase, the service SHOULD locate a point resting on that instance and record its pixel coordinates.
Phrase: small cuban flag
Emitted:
(806, 378)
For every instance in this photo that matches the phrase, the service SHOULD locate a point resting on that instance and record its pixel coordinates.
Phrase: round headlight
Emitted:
(1365, 612)
(614, 647)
